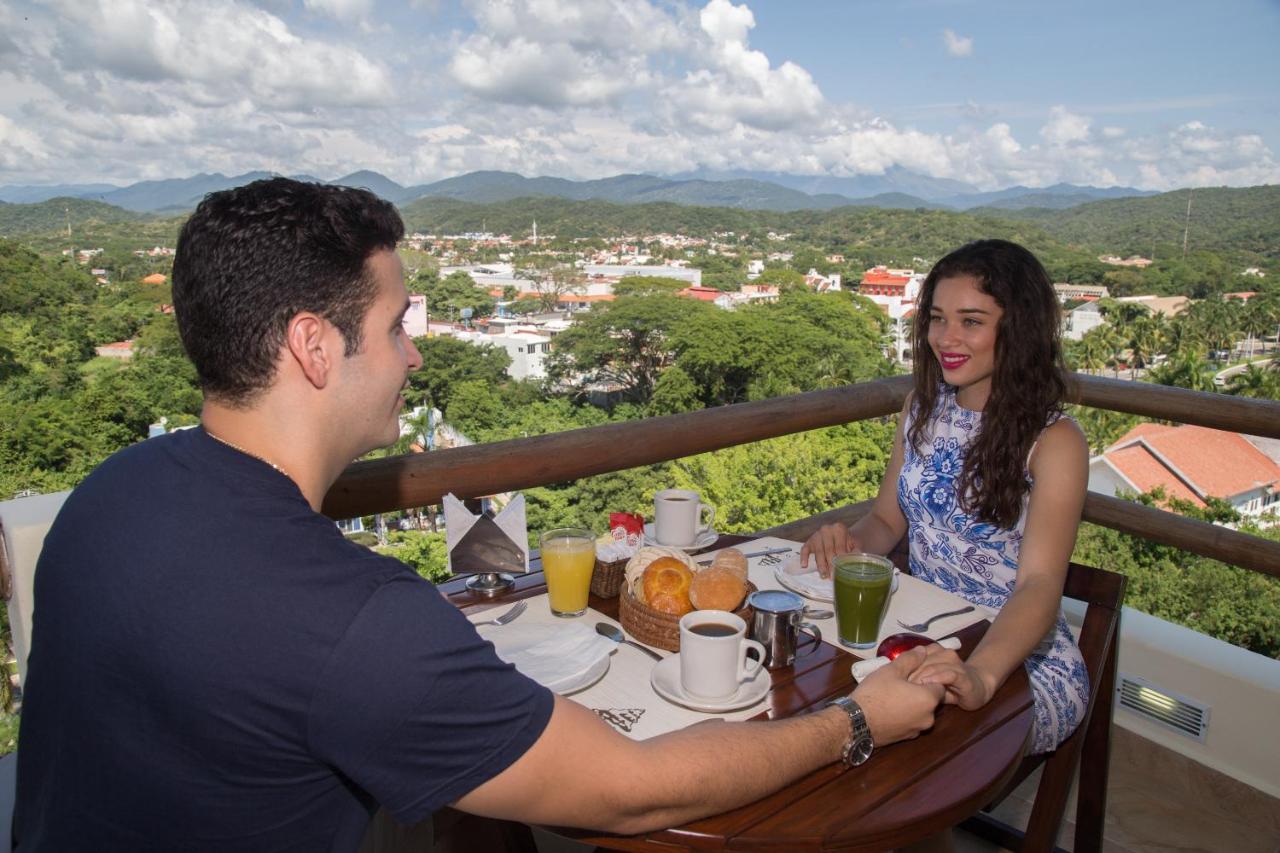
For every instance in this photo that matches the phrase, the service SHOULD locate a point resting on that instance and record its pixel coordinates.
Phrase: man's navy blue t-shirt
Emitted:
(214, 667)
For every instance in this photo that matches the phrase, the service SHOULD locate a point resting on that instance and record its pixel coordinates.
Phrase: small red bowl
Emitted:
(895, 644)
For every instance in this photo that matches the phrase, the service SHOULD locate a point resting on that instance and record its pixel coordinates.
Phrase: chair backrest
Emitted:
(1103, 593)
(23, 525)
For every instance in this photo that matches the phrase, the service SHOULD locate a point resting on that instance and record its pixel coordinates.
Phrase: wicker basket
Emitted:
(606, 578)
(662, 630)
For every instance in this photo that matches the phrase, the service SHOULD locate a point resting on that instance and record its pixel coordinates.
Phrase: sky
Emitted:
(1154, 95)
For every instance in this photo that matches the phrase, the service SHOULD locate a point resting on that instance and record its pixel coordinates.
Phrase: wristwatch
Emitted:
(860, 744)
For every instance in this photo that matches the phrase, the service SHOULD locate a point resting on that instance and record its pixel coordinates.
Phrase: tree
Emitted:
(1183, 371)
(551, 281)
(783, 278)
(448, 297)
(448, 361)
(1255, 382)
(648, 285)
(626, 343)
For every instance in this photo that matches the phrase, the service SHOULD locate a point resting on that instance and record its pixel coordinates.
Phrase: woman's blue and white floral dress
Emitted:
(979, 562)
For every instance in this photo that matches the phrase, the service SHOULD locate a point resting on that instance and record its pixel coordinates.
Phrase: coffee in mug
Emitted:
(714, 657)
(677, 517)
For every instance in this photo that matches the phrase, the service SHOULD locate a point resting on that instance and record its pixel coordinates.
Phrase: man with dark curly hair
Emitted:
(214, 667)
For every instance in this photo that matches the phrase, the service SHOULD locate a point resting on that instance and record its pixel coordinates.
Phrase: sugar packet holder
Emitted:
(625, 537)
(863, 668)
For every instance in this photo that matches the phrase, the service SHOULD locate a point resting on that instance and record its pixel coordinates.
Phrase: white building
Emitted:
(528, 349)
(693, 275)
(1079, 320)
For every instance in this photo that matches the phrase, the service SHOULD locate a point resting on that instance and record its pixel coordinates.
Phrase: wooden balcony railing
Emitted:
(383, 485)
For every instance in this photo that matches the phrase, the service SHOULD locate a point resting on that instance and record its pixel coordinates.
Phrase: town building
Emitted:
(1166, 305)
(1068, 292)
(1131, 261)
(1079, 320)
(1191, 463)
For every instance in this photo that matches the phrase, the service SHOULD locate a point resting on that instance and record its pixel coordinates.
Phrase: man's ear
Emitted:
(310, 338)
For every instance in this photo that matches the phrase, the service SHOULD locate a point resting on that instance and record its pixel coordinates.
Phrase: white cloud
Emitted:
(1065, 127)
(957, 45)
(134, 89)
(348, 11)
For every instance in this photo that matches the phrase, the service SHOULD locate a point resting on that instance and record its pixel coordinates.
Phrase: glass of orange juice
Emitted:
(568, 558)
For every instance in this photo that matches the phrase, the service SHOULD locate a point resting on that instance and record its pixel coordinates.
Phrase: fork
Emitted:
(510, 616)
(924, 626)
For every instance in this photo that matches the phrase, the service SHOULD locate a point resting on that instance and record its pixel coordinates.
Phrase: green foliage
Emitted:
(1233, 604)
(425, 553)
(363, 537)
(447, 297)
(802, 342)
(1240, 222)
(447, 361)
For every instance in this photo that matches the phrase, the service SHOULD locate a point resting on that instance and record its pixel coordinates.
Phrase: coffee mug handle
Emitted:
(815, 631)
(746, 671)
(711, 517)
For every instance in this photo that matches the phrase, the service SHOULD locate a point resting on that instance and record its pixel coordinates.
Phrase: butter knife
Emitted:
(751, 554)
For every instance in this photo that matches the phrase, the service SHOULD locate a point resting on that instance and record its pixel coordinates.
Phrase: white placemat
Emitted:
(914, 601)
(624, 698)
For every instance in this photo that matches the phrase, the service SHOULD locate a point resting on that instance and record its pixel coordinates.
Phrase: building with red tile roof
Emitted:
(1190, 463)
(702, 294)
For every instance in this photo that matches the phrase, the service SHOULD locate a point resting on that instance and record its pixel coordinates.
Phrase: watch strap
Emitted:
(860, 745)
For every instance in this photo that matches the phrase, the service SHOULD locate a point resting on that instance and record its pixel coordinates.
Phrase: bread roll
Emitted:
(646, 555)
(717, 588)
(666, 584)
(733, 560)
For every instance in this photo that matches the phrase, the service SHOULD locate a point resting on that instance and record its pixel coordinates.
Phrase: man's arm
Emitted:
(705, 769)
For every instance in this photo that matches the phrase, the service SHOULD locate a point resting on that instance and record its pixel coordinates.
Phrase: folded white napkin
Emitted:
(863, 668)
(551, 655)
(804, 579)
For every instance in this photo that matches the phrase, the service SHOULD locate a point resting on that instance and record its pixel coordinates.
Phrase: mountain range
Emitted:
(776, 191)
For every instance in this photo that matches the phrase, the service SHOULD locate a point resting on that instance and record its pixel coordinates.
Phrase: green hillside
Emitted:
(18, 220)
(1244, 223)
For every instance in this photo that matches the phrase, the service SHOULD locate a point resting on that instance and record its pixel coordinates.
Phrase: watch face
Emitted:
(860, 751)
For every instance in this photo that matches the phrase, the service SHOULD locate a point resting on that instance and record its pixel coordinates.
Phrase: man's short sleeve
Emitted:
(415, 708)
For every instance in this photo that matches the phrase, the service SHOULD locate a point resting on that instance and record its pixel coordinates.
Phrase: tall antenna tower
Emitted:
(67, 210)
(1187, 225)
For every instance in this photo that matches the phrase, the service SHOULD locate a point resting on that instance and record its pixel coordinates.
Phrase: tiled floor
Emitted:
(1158, 800)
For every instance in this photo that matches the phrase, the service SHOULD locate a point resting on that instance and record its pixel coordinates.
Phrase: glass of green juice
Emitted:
(862, 586)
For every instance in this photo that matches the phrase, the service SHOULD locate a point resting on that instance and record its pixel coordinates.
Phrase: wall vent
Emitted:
(1158, 705)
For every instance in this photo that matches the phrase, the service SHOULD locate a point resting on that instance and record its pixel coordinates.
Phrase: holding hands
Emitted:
(964, 684)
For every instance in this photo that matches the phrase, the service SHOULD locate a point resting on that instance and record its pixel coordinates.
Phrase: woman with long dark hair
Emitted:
(987, 479)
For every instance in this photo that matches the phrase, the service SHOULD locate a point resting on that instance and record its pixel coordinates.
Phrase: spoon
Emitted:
(614, 633)
(818, 613)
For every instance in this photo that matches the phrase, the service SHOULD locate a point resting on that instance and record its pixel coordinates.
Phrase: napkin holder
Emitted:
(488, 547)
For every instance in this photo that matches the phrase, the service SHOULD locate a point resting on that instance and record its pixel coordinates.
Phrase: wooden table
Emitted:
(905, 792)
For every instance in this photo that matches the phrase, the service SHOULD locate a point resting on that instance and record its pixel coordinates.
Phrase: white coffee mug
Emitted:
(713, 654)
(677, 516)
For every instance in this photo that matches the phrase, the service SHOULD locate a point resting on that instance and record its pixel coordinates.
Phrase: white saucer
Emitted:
(665, 679)
(705, 539)
(814, 587)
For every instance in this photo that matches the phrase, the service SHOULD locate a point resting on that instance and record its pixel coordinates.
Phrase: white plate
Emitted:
(562, 675)
(813, 587)
(665, 679)
(705, 539)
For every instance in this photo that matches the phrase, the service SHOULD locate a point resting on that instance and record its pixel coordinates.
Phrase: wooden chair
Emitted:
(1089, 747)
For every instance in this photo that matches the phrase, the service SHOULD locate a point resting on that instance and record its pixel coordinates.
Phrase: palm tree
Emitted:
(1185, 338)
(1256, 382)
(1186, 371)
(1090, 354)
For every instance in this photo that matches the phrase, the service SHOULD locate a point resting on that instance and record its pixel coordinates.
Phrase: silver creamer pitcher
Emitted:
(777, 623)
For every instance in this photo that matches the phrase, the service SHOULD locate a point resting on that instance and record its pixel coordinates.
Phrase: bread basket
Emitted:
(662, 630)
